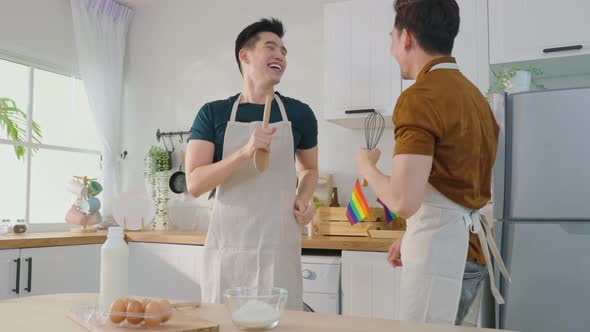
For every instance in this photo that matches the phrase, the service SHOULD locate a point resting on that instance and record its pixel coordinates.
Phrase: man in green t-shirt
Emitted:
(254, 237)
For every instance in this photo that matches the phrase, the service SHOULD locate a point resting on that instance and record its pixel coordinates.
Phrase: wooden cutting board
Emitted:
(183, 320)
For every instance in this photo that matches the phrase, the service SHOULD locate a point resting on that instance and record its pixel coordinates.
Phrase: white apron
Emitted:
(253, 238)
(434, 251)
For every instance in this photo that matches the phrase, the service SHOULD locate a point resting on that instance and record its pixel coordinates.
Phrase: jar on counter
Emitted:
(5, 226)
(20, 226)
(334, 200)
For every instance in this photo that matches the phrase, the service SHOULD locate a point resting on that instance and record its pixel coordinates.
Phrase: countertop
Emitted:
(48, 313)
(51, 239)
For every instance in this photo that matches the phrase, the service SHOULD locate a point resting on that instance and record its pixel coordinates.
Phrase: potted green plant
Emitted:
(14, 121)
(157, 160)
(156, 171)
(516, 79)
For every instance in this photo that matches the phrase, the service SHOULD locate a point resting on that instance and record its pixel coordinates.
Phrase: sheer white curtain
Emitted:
(101, 32)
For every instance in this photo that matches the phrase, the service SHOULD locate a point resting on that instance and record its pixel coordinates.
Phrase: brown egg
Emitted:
(153, 314)
(145, 302)
(134, 312)
(117, 312)
(166, 310)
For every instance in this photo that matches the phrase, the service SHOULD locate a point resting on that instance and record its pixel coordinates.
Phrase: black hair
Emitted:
(249, 36)
(434, 23)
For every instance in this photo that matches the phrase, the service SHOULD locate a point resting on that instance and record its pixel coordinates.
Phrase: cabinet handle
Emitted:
(17, 289)
(367, 110)
(30, 261)
(562, 48)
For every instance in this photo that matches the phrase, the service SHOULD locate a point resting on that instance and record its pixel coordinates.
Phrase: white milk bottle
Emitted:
(114, 257)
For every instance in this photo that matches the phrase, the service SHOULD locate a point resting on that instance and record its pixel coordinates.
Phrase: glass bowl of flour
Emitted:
(255, 308)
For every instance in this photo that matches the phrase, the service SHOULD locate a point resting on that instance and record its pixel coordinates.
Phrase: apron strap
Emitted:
(282, 108)
(234, 109)
(474, 221)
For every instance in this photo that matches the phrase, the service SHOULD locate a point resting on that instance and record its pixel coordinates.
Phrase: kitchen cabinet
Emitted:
(67, 269)
(48, 270)
(522, 30)
(360, 73)
(165, 270)
(370, 286)
(471, 44)
(9, 261)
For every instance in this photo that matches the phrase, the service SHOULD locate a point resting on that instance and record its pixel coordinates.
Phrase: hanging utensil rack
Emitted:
(160, 134)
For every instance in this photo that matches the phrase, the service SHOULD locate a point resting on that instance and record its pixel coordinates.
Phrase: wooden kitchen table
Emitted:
(48, 314)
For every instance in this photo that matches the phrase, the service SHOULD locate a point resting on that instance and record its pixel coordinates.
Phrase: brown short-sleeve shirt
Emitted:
(445, 116)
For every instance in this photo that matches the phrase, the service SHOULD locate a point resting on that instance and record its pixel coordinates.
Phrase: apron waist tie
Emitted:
(476, 224)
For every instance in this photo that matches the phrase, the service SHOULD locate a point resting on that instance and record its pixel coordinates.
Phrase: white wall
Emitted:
(38, 32)
(180, 55)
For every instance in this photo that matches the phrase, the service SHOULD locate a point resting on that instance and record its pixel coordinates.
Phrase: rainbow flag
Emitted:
(389, 216)
(358, 209)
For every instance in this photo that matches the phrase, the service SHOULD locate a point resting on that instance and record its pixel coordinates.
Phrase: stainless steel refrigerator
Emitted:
(541, 194)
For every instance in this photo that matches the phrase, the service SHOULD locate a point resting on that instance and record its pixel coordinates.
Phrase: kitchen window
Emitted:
(33, 187)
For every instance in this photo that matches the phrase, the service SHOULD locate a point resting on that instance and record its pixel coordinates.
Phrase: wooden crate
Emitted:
(333, 221)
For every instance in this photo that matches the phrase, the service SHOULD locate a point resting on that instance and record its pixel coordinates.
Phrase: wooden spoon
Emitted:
(261, 156)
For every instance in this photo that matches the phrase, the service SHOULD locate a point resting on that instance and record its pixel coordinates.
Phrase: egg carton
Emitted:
(137, 318)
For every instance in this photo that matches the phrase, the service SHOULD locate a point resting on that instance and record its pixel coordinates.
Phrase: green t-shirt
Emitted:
(212, 118)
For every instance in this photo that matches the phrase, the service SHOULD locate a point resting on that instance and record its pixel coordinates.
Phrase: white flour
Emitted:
(256, 314)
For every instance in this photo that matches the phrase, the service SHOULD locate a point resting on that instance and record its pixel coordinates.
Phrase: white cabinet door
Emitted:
(9, 284)
(359, 73)
(361, 41)
(521, 30)
(370, 287)
(337, 59)
(165, 270)
(471, 44)
(66, 269)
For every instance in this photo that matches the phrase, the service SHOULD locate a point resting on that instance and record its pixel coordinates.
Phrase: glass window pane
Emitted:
(50, 172)
(14, 84)
(13, 184)
(60, 106)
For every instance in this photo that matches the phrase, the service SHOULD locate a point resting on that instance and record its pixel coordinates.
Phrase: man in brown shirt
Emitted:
(445, 146)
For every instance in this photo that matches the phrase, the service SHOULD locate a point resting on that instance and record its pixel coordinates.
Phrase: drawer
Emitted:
(321, 278)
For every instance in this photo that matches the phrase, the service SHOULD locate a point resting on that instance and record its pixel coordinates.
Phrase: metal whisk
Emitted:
(374, 125)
